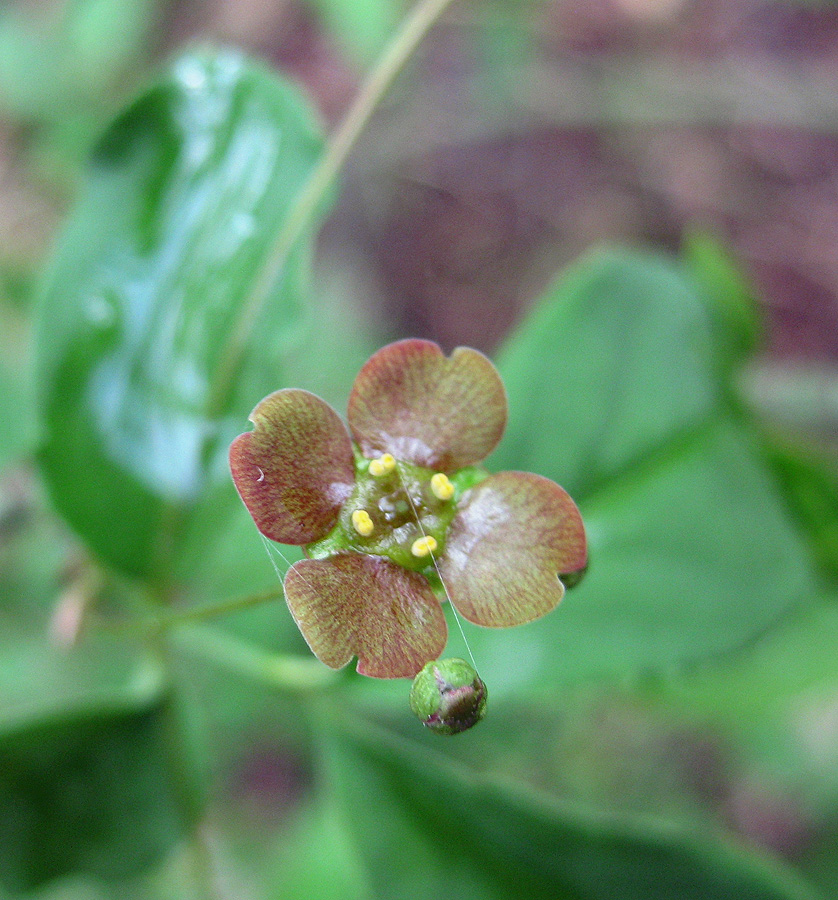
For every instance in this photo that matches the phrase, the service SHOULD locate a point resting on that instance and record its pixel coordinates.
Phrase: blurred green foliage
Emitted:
(363, 26)
(64, 65)
(710, 597)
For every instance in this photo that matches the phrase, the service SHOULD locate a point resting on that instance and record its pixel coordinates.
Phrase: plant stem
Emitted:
(412, 31)
(160, 623)
(281, 672)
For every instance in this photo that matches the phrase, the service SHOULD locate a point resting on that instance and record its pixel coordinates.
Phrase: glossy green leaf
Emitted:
(421, 824)
(149, 282)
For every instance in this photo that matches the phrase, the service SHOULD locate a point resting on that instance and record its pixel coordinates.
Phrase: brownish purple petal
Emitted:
(295, 469)
(441, 413)
(512, 536)
(366, 606)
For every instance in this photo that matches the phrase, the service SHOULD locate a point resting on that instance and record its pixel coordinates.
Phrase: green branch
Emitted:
(164, 621)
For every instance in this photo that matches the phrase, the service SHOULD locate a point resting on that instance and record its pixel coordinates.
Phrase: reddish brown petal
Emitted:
(295, 469)
(513, 534)
(441, 413)
(366, 606)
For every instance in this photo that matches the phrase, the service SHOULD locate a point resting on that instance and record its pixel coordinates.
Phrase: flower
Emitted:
(398, 514)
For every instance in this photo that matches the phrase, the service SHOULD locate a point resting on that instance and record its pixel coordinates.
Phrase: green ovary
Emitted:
(401, 512)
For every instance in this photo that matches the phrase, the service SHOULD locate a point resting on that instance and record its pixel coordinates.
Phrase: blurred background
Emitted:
(528, 132)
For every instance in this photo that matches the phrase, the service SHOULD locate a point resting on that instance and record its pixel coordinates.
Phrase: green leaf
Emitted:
(688, 559)
(728, 293)
(88, 795)
(810, 484)
(615, 394)
(421, 823)
(150, 279)
(616, 361)
(41, 682)
(779, 674)
(83, 782)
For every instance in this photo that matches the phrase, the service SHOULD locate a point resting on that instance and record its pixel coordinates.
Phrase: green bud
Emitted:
(448, 696)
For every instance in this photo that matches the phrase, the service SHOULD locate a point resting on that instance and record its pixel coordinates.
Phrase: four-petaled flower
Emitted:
(399, 509)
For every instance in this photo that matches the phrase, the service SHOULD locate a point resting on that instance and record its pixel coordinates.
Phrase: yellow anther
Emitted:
(423, 546)
(384, 465)
(362, 523)
(441, 487)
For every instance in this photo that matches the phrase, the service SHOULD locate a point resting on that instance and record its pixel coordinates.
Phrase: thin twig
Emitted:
(413, 30)
(160, 623)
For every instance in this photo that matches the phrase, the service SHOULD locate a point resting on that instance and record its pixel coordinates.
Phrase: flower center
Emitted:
(396, 510)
